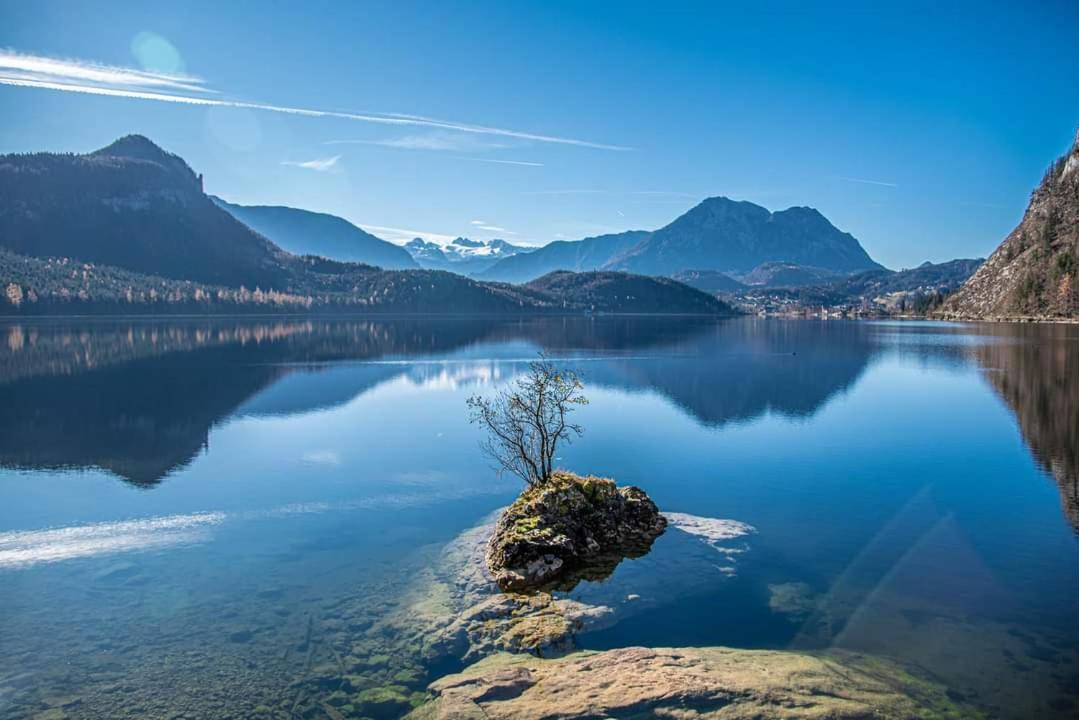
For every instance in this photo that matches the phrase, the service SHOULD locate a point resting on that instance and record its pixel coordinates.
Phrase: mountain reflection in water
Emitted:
(139, 398)
(1039, 381)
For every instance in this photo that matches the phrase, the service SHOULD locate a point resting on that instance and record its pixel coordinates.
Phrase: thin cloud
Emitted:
(975, 203)
(437, 141)
(32, 67)
(864, 181)
(320, 165)
(565, 192)
(504, 162)
(666, 195)
(403, 235)
(675, 193)
(78, 76)
(670, 193)
(484, 225)
(322, 457)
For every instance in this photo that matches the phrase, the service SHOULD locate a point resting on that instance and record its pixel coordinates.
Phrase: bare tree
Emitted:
(528, 421)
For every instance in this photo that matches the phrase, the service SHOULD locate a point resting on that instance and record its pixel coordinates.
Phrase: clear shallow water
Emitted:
(216, 518)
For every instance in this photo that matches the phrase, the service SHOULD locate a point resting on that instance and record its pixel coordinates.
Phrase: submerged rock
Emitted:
(569, 529)
(453, 611)
(457, 612)
(686, 683)
(796, 600)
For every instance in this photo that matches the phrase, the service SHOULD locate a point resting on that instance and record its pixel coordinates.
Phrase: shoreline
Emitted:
(521, 316)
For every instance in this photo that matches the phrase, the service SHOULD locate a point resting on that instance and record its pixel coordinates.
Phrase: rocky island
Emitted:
(570, 528)
(563, 527)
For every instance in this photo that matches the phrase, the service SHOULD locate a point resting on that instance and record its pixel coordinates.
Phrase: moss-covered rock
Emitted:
(570, 528)
(388, 701)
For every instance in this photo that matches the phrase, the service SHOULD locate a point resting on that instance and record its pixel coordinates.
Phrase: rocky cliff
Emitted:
(1035, 271)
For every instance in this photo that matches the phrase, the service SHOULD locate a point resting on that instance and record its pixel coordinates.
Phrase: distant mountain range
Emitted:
(464, 256)
(1035, 271)
(128, 228)
(580, 255)
(719, 234)
(302, 232)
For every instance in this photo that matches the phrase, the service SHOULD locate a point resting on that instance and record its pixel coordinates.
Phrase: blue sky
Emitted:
(918, 128)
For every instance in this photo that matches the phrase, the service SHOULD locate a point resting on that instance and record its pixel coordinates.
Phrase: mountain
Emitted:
(134, 206)
(1035, 271)
(729, 236)
(463, 256)
(129, 229)
(710, 281)
(302, 232)
(582, 255)
(625, 293)
(783, 274)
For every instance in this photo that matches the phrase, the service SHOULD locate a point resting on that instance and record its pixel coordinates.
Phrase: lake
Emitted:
(224, 518)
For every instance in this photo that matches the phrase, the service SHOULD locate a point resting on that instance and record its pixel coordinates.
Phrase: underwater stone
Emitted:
(384, 702)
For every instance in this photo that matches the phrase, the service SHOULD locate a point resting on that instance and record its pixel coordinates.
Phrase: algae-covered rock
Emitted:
(390, 701)
(569, 529)
(796, 600)
(717, 683)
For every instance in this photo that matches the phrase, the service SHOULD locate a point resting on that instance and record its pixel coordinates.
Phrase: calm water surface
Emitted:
(234, 518)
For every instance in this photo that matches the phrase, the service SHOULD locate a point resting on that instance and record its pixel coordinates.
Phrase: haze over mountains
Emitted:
(593, 253)
(128, 228)
(302, 232)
